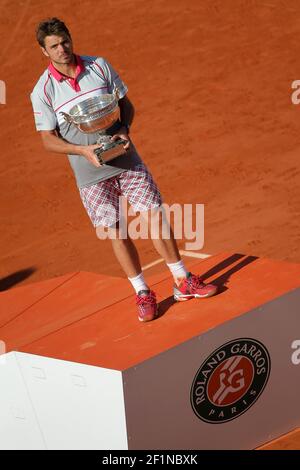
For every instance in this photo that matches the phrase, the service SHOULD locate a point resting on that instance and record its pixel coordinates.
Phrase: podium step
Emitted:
(207, 374)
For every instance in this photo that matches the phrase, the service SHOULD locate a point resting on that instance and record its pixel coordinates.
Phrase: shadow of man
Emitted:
(220, 281)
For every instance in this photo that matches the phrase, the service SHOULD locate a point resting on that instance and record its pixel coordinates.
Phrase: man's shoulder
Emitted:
(90, 59)
(40, 84)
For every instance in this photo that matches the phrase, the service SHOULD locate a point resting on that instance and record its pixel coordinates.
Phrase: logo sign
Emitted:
(230, 380)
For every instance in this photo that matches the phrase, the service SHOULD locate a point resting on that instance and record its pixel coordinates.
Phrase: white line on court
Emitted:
(191, 254)
(194, 254)
(147, 266)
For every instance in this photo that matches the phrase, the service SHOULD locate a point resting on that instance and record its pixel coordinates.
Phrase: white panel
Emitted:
(19, 428)
(78, 406)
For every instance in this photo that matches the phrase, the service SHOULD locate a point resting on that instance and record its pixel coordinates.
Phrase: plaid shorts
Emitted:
(101, 200)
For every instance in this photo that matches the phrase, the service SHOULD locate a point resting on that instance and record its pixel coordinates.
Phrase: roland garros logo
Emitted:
(230, 380)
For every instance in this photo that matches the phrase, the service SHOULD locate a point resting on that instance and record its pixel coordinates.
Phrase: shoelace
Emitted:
(196, 281)
(146, 299)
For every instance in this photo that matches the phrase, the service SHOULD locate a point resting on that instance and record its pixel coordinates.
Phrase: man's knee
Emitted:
(113, 232)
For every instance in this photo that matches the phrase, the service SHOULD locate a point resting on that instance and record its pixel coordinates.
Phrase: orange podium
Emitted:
(216, 373)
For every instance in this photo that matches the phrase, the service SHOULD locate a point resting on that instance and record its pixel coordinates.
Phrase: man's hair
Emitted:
(51, 27)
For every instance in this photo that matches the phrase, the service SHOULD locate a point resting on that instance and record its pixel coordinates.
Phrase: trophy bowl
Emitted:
(94, 114)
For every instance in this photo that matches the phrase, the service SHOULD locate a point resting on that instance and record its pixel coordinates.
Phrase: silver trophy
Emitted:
(96, 115)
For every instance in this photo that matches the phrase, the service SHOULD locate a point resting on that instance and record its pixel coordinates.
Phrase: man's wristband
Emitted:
(127, 127)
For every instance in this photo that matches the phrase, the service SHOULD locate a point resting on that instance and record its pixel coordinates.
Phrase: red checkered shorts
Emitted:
(101, 200)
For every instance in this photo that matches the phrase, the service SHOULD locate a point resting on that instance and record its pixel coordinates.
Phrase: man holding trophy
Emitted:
(81, 109)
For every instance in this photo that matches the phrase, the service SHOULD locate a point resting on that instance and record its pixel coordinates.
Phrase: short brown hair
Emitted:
(50, 27)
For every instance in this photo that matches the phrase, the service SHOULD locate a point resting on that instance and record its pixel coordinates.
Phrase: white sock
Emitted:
(178, 270)
(138, 283)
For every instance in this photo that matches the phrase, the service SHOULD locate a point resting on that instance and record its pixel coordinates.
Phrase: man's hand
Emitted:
(122, 134)
(87, 151)
(53, 143)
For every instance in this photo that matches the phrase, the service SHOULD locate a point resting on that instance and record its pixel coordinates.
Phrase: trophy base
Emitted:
(109, 150)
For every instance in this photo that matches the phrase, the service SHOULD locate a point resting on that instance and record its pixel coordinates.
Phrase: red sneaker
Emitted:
(193, 287)
(147, 306)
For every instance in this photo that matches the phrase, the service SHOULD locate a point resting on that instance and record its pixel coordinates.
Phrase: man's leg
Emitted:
(186, 284)
(164, 242)
(127, 255)
(167, 248)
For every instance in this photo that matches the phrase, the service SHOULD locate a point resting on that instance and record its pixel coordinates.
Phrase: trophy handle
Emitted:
(67, 117)
(116, 93)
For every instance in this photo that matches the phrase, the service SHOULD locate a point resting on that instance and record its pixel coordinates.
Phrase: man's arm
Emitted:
(126, 115)
(126, 111)
(53, 143)
(45, 119)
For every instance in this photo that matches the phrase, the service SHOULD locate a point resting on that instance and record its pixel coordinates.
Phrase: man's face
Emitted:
(59, 49)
